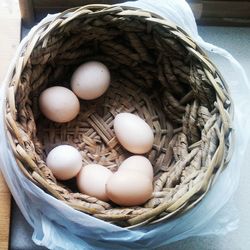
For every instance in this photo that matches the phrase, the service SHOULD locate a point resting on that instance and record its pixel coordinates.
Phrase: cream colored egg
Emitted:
(92, 180)
(129, 188)
(139, 164)
(133, 133)
(59, 104)
(64, 161)
(90, 80)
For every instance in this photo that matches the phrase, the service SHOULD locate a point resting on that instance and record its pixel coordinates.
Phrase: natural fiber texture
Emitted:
(158, 72)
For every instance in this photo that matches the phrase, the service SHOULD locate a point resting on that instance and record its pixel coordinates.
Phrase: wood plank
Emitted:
(207, 12)
(27, 11)
(226, 9)
(10, 30)
(44, 4)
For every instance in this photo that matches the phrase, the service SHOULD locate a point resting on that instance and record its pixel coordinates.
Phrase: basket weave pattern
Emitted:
(158, 72)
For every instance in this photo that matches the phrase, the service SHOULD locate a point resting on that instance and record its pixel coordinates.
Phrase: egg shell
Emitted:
(90, 80)
(133, 133)
(139, 164)
(92, 180)
(64, 161)
(59, 104)
(129, 188)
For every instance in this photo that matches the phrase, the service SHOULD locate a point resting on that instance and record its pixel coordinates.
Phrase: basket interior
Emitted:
(157, 74)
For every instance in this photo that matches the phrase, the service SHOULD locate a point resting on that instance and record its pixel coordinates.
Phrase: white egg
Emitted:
(59, 104)
(92, 180)
(129, 188)
(133, 133)
(139, 164)
(90, 80)
(64, 161)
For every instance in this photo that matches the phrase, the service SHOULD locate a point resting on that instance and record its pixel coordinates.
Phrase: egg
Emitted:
(133, 133)
(129, 188)
(139, 164)
(59, 104)
(92, 180)
(64, 161)
(90, 80)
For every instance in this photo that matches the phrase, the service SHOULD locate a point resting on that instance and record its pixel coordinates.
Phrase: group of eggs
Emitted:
(131, 185)
(88, 82)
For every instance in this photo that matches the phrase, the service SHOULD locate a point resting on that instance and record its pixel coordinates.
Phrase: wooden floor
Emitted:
(10, 37)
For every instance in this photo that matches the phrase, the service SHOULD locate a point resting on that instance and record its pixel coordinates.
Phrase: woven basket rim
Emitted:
(224, 103)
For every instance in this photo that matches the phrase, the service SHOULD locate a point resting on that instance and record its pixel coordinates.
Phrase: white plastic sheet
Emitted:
(57, 226)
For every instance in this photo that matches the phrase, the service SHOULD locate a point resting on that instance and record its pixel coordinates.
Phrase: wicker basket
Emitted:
(158, 72)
